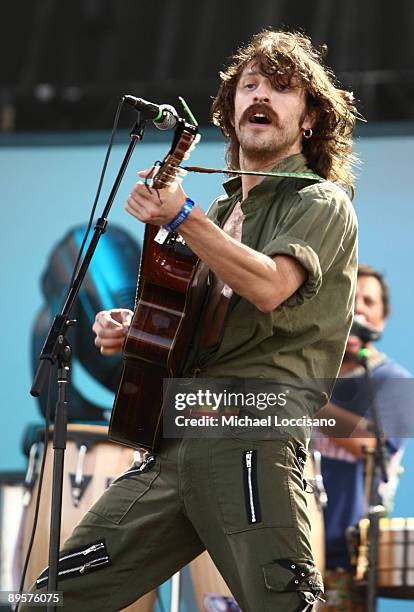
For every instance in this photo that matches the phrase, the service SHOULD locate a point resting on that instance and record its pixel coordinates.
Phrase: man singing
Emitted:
(283, 249)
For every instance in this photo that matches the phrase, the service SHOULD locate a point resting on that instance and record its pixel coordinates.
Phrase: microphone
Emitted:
(364, 332)
(163, 116)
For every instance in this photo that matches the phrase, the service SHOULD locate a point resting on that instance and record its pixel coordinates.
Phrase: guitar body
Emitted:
(170, 296)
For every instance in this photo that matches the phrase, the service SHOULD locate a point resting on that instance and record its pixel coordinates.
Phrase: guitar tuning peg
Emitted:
(193, 145)
(187, 154)
(183, 172)
(196, 139)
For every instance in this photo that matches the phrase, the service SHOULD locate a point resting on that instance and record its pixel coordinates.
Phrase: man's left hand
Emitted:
(156, 207)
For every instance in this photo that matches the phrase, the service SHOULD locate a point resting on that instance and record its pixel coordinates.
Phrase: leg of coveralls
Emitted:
(247, 502)
(133, 539)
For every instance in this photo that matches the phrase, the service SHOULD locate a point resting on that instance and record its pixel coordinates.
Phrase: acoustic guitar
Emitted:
(170, 296)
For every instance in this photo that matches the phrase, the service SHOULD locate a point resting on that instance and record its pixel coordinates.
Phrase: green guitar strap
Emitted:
(300, 175)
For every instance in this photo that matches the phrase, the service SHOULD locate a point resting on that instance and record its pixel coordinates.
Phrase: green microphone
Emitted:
(363, 354)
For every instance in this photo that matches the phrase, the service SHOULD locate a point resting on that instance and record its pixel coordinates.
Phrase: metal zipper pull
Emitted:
(93, 548)
(94, 563)
(251, 501)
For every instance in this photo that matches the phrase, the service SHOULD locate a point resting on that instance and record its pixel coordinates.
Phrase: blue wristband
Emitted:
(182, 216)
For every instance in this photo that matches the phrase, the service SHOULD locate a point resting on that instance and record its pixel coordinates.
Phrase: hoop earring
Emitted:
(307, 133)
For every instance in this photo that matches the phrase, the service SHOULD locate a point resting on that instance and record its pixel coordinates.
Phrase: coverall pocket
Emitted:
(126, 490)
(251, 485)
(290, 575)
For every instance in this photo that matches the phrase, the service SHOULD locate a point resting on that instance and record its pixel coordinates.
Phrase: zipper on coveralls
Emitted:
(248, 459)
(80, 567)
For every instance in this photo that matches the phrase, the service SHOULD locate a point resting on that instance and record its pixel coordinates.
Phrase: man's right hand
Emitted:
(110, 328)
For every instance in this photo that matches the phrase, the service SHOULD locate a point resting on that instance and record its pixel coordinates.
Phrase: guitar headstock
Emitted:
(186, 137)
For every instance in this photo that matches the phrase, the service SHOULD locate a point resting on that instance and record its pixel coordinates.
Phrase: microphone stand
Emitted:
(378, 473)
(56, 348)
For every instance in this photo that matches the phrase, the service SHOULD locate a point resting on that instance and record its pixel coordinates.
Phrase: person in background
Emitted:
(343, 456)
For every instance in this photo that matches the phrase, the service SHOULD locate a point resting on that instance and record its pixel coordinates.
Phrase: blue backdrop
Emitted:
(48, 186)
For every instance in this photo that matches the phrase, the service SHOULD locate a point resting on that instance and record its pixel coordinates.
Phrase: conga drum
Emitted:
(207, 580)
(92, 462)
(395, 560)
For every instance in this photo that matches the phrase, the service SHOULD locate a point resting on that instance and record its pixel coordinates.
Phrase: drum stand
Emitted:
(378, 472)
(56, 348)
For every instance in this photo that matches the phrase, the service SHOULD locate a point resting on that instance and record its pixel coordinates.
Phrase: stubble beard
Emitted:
(263, 148)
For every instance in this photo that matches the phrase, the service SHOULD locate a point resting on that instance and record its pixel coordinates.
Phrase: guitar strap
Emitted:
(300, 175)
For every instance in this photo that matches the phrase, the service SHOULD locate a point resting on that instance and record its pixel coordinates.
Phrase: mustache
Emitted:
(259, 108)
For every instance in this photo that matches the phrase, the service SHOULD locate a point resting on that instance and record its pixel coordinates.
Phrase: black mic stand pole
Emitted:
(378, 474)
(56, 348)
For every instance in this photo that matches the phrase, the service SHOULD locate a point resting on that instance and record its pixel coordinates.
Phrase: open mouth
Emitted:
(260, 119)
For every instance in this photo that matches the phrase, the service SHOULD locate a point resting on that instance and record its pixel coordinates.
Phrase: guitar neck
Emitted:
(183, 142)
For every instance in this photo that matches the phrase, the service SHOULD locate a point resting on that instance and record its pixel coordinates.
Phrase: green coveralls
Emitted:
(193, 495)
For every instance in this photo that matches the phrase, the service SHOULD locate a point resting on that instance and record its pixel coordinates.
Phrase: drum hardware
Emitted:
(321, 496)
(11, 508)
(32, 472)
(395, 561)
(388, 490)
(79, 481)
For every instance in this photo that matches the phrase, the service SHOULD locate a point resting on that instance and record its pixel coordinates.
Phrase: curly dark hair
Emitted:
(282, 57)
